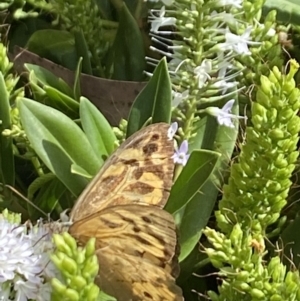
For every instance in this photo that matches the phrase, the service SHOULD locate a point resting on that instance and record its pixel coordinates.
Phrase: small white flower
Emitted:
(172, 130)
(233, 3)
(181, 155)
(224, 117)
(238, 44)
(179, 97)
(161, 20)
(202, 72)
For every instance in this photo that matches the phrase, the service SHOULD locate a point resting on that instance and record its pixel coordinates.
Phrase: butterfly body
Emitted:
(136, 241)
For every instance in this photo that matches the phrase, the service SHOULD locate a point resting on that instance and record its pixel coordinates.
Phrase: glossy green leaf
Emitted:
(61, 102)
(97, 129)
(195, 216)
(153, 101)
(83, 52)
(288, 11)
(45, 77)
(186, 202)
(193, 176)
(77, 88)
(59, 142)
(7, 170)
(75, 169)
(128, 49)
(55, 45)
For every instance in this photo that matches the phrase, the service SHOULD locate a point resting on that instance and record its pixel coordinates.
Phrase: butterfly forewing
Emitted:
(139, 171)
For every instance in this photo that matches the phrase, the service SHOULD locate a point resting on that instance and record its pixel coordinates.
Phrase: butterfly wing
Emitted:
(136, 248)
(139, 171)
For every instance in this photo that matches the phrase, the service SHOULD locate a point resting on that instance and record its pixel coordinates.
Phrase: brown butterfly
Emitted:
(136, 240)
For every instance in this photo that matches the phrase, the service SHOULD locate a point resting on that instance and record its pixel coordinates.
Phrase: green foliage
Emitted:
(59, 142)
(154, 101)
(287, 10)
(54, 140)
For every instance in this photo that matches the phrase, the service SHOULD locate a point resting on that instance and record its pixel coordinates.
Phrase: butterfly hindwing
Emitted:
(136, 249)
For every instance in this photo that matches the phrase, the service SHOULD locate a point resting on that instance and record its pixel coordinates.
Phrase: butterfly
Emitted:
(136, 241)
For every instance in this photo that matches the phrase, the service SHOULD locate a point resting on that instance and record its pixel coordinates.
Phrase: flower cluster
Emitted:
(25, 265)
(203, 41)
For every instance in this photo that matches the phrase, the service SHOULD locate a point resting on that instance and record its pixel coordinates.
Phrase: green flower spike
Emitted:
(255, 195)
(78, 267)
(260, 181)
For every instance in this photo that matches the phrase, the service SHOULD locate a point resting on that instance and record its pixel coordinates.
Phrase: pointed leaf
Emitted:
(153, 101)
(193, 176)
(59, 142)
(7, 169)
(97, 129)
(128, 49)
(45, 77)
(83, 51)
(77, 88)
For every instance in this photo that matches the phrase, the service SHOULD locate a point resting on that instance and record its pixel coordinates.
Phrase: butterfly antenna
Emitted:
(26, 200)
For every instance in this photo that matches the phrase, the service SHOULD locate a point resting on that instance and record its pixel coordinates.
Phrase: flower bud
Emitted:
(71, 294)
(78, 282)
(58, 287)
(61, 244)
(266, 85)
(69, 265)
(90, 247)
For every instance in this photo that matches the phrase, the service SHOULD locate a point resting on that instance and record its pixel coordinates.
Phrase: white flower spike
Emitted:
(224, 117)
(181, 155)
(172, 130)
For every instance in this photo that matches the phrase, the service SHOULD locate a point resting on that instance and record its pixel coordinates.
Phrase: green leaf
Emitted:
(49, 191)
(193, 176)
(83, 51)
(194, 218)
(186, 202)
(45, 77)
(291, 240)
(77, 88)
(61, 102)
(59, 142)
(97, 129)
(75, 169)
(38, 183)
(55, 45)
(153, 101)
(7, 169)
(128, 49)
(288, 11)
